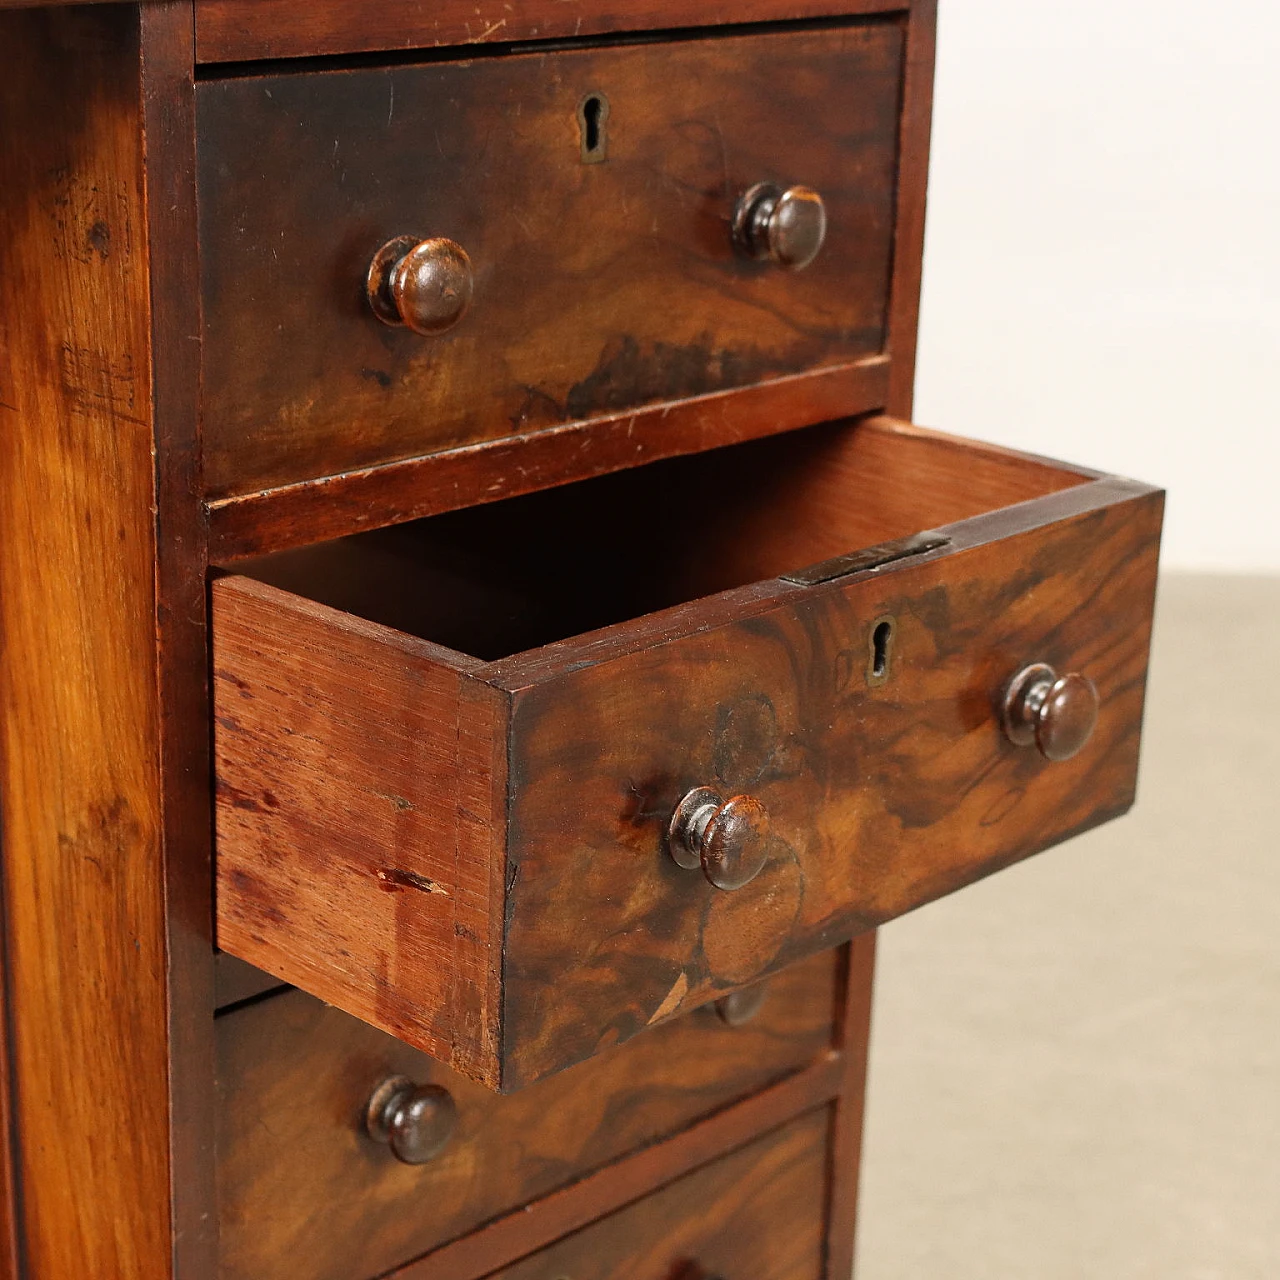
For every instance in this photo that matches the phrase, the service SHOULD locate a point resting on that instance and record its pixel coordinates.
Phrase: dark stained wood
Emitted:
(80, 724)
(313, 511)
(881, 799)
(168, 128)
(305, 1195)
(239, 30)
(599, 288)
(849, 1108)
(754, 1213)
(337, 761)
(555, 1216)
(913, 181)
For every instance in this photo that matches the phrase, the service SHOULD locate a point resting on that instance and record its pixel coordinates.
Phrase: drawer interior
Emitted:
(495, 580)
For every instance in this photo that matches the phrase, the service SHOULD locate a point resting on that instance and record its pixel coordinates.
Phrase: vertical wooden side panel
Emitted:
(854, 1035)
(913, 181)
(168, 104)
(83, 876)
(9, 1209)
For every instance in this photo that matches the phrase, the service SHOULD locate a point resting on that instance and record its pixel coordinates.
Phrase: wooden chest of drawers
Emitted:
(464, 553)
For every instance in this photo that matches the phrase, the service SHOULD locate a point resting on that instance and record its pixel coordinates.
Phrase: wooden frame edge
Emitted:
(168, 124)
(318, 510)
(253, 30)
(854, 1032)
(913, 181)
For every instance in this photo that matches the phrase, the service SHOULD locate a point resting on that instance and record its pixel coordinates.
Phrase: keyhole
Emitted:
(881, 652)
(593, 114)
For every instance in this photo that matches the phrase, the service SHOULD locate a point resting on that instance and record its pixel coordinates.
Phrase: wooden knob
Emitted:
(1055, 713)
(728, 839)
(786, 226)
(424, 285)
(415, 1120)
(741, 1006)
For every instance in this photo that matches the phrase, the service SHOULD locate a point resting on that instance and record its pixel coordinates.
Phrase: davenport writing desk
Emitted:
(482, 645)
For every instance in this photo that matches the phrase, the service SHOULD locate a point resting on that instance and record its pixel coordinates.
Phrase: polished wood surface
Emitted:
(80, 721)
(305, 1195)
(239, 30)
(109, 974)
(881, 799)
(554, 1216)
(762, 688)
(598, 288)
(754, 1213)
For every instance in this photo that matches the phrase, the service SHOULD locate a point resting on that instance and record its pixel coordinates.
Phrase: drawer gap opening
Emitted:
(499, 579)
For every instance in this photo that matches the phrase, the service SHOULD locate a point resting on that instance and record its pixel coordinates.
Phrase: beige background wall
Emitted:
(1102, 270)
(1076, 1064)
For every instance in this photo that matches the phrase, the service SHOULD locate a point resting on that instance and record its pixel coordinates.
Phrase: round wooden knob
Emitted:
(425, 285)
(741, 1006)
(1055, 713)
(786, 226)
(728, 839)
(415, 1120)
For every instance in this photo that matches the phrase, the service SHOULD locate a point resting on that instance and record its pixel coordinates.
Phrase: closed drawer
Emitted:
(758, 1213)
(593, 191)
(306, 1194)
(471, 846)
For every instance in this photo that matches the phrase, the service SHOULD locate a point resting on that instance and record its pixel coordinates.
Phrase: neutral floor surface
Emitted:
(1075, 1069)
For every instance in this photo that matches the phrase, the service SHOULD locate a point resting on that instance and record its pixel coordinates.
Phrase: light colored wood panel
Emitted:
(340, 801)
(84, 894)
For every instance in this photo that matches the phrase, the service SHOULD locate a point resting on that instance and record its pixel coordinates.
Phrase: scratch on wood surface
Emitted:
(679, 989)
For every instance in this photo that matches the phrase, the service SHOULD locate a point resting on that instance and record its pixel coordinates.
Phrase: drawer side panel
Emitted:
(354, 817)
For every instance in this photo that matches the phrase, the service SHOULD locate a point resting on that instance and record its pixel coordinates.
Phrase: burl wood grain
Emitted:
(882, 798)
(577, 931)
(235, 30)
(305, 1195)
(79, 717)
(757, 1213)
(599, 288)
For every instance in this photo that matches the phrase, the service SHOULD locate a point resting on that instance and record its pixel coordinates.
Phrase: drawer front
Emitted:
(601, 283)
(758, 1213)
(477, 856)
(305, 1194)
(882, 794)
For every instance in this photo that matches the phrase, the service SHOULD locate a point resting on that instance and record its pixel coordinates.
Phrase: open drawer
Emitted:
(517, 782)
